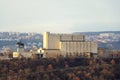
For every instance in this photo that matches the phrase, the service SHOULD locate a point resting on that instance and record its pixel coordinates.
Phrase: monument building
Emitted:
(55, 45)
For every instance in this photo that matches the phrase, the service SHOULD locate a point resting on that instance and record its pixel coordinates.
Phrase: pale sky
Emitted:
(59, 15)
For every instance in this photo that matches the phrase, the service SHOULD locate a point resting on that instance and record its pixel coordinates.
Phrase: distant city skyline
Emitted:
(59, 15)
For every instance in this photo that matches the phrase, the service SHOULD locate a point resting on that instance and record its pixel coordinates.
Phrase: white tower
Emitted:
(20, 47)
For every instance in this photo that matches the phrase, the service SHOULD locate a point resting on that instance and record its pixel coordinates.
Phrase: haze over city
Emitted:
(59, 15)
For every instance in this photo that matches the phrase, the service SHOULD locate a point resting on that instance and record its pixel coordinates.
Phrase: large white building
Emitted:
(55, 45)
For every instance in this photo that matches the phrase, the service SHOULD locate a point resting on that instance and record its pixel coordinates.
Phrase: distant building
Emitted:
(103, 52)
(108, 53)
(21, 53)
(107, 34)
(55, 45)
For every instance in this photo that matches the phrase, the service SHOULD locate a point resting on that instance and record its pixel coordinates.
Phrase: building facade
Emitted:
(55, 45)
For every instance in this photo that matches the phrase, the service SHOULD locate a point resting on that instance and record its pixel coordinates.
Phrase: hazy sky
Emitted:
(59, 15)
